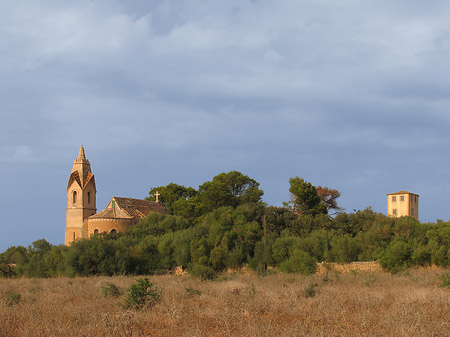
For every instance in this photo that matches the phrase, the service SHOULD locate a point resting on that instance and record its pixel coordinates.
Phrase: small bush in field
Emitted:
(337, 275)
(12, 298)
(142, 294)
(310, 290)
(328, 268)
(202, 271)
(300, 262)
(191, 292)
(252, 291)
(445, 280)
(396, 257)
(109, 289)
(370, 279)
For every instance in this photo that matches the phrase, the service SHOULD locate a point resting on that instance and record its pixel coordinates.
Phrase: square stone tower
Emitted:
(403, 204)
(81, 198)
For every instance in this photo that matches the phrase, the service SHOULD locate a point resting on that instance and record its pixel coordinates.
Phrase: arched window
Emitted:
(74, 201)
(113, 231)
(89, 197)
(96, 232)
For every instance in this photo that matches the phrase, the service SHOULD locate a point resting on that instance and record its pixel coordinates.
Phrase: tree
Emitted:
(299, 262)
(278, 219)
(13, 260)
(397, 256)
(99, 255)
(305, 197)
(328, 197)
(40, 246)
(157, 224)
(170, 194)
(228, 189)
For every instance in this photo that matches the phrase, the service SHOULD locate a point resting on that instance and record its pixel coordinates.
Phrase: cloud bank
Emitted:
(346, 94)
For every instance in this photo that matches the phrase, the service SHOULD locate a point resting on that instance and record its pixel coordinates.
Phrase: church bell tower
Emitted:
(81, 198)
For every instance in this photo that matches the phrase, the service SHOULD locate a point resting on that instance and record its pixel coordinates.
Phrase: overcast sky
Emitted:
(352, 95)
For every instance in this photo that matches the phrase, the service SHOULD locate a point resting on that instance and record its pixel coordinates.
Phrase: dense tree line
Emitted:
(224, 224)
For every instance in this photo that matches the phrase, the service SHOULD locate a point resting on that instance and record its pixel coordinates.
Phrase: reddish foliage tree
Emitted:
(328, 197)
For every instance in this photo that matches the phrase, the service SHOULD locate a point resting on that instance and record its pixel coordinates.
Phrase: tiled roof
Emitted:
(89, 177)
(138, 208)
(111, 213)
(74, 176)
(402, 192)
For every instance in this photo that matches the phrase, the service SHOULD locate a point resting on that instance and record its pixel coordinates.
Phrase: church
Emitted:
(82, 219)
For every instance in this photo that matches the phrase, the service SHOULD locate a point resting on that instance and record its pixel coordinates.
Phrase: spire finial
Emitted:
(81, 155)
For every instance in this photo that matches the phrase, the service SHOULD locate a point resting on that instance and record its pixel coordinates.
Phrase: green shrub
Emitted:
(109, 289)
(439, 257)
(310, 290)
(396, 257)
(300, 262)
(445, 280)
(142, 294)
(202, 271)
(217, 257)
(12, 298)
(421, 256)
(191, 292)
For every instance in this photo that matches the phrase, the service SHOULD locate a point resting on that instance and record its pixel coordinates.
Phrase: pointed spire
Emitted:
(81, 159)
(81, 155)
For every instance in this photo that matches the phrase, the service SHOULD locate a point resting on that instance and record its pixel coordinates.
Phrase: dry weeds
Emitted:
(354, 304)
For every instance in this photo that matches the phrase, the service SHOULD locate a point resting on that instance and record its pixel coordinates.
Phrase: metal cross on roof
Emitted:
(157, 196)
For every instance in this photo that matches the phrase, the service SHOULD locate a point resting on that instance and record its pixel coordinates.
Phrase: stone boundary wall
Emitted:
(342, 268)
(345, 268)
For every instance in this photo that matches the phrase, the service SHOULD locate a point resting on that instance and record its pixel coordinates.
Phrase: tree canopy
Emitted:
(170, 194)
(225, 189)
(305, 197)
(224, 224)
(328, 197)
(228, 189)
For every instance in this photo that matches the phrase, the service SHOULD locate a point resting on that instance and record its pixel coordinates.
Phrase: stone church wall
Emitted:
(106, 225)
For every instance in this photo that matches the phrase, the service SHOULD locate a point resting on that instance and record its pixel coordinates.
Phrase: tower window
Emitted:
(394, 198)
(402, 198)
(412, 211)
(89, 197)
(394, 211)
(74, 197)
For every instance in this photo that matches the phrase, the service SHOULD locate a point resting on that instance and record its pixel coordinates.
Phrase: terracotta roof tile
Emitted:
(402, 192)
(138, 208)
(74, 176)
(89, 177)
(111, 213)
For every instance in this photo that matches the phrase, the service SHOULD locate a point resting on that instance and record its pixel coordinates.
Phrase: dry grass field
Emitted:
(347, 304)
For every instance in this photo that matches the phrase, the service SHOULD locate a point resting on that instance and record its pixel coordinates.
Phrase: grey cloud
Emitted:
(344, 94)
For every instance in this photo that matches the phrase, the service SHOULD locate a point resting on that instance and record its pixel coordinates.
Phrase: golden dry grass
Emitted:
(354, 304)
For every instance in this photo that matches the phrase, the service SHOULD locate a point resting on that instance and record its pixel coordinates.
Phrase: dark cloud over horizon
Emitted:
(345, 94)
